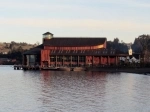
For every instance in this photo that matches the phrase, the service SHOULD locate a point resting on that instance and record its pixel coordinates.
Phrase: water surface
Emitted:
(60, 91)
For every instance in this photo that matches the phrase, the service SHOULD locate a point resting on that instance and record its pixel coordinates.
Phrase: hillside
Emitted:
(5, 48)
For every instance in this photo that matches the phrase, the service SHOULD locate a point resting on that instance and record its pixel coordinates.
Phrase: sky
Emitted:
(27, 20)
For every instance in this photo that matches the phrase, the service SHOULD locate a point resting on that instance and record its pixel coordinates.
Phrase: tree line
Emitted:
(120, 47)
(140, 45)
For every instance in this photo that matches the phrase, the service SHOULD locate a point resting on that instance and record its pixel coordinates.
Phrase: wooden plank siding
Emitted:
(45, 56)
(75, 48)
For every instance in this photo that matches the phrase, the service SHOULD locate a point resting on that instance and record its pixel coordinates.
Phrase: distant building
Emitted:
(71, 51)
(3, 60)
(4, 52)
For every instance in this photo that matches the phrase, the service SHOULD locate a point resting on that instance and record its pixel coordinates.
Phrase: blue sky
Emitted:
(27, 20)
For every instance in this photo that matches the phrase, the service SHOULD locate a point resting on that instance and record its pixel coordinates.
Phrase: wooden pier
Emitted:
(18, 67)
(100, 69)
(23, 67)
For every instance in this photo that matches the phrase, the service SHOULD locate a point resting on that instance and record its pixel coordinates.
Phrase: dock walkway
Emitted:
(97, 69)
(23, 67)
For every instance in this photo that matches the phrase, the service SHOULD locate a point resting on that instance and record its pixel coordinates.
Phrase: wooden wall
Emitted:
(101, 60)
(88, 60)
(45, 56)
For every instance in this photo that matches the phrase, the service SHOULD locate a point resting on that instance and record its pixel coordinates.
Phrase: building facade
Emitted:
(71, 52)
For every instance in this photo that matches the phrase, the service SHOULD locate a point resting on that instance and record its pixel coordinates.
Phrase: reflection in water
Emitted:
(62, 91)
(78, 90)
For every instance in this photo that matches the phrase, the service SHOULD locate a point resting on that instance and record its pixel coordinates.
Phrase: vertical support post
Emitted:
(84, 60)
(78, 60)
(71, 60)
(41, 63)
(56, 61)
(27, 56)
(49, 60)
(23, 59)
(116, 59)
(63, 60)
(140, 58)
(108, 60)
(92, 60)
(101, 60)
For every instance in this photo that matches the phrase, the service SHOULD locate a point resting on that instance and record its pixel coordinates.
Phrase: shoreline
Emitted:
(126, 70)
(142, 70)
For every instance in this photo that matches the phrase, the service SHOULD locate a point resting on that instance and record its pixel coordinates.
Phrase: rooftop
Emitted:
(47, 33)
(35, 50)
(74, 42)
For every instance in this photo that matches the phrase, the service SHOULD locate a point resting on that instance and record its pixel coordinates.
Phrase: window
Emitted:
(53, 58)
(82, 58)
(59, 58)
(67, 58)
(74, 58)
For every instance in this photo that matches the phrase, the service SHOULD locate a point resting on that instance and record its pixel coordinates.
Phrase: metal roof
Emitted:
(74, 42)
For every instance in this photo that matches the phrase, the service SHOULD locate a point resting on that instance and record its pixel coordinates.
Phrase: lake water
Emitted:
(62, 91)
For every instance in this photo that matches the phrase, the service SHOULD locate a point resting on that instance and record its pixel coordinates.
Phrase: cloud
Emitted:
(135, 3)
(68, 4)
(94, 24)
(29, 5)
(45, 8)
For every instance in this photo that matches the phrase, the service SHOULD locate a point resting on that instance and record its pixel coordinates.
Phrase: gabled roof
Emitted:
(74, 42)
(47, 33)
(35, 50)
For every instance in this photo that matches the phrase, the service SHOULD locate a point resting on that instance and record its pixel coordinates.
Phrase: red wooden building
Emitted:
(71, 51)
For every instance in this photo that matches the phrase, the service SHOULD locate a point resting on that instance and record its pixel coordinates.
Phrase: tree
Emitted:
(136, 46)
(144, 41)
(116, 40)
(20, 49)
(120, 47)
